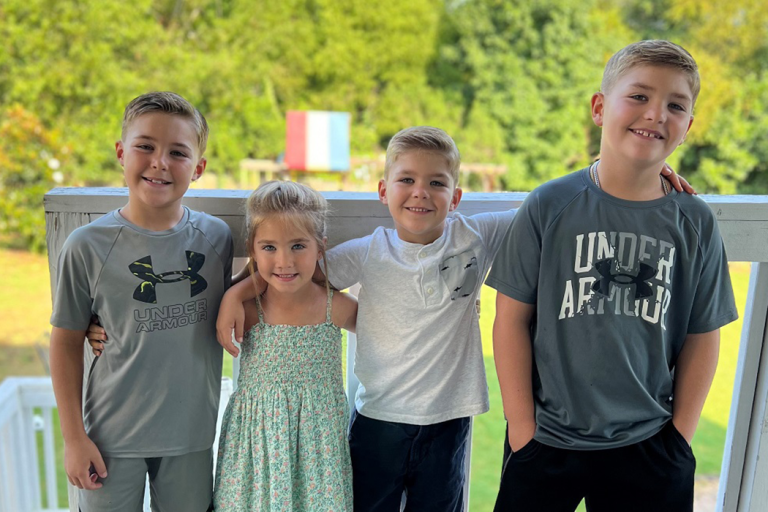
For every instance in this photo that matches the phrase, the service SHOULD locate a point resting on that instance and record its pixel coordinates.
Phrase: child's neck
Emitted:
(152, 219)
(630, 181)
(299, 308)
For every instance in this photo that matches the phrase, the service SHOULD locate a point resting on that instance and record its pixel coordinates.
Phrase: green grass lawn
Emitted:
(25, 309)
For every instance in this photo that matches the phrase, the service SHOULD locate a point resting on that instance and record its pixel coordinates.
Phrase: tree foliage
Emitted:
(511, 81)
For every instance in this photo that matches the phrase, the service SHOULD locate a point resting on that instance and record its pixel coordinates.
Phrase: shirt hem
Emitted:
(424, 420)
(602, 446)
(153, 453)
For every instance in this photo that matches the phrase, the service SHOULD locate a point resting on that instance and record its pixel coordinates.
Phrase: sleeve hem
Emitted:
(714, 324)
(510, 291)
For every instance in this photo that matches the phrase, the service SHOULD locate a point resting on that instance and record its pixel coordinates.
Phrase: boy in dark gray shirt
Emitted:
(612, 290)
(154, 272)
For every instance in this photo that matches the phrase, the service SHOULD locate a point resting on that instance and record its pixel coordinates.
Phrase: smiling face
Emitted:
(645, 115)
(160, 159)
(419, 192)
(285, 255)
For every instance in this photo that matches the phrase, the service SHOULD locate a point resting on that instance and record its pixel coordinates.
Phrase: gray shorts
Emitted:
(176, 484)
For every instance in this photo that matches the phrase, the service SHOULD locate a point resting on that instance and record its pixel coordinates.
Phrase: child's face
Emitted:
(419, 192)
(645, 115)
(285, 256)
(160, 159)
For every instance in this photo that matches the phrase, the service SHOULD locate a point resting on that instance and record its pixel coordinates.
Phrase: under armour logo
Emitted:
(142, 269)
(605, 268)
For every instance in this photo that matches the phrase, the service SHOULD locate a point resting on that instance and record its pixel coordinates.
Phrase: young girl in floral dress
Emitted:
(283, 444)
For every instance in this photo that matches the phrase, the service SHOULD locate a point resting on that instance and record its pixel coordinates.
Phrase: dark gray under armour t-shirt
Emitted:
(155, 390)
(617, 287)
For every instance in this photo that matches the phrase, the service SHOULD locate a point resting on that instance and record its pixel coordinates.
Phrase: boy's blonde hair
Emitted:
(653, 52)
(424, 138)
(295, 204)
(169, 103)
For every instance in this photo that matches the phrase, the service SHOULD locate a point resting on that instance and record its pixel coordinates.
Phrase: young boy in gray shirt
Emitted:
(154, 272)
(612, 290)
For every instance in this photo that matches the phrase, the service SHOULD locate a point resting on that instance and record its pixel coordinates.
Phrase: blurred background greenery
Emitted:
(510, 80)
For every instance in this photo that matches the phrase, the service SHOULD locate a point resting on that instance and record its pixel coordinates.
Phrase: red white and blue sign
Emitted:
(317, 141)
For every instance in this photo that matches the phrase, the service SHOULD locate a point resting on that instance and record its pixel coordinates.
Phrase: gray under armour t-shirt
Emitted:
(155, 390)
(617, 287)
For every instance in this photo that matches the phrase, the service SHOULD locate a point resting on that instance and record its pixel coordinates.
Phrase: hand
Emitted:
(678, 182)
(97, 336)
(231, 316)
(520, 435)
(83, 463)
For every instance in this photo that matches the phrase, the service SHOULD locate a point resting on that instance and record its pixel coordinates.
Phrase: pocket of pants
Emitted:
(681, 441)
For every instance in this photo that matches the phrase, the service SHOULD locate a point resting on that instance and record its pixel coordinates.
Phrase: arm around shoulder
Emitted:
(344, 311)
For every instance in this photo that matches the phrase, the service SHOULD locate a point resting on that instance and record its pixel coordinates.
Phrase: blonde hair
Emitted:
(168, 103)
(653, 52)
(293, 203)
(424, 138)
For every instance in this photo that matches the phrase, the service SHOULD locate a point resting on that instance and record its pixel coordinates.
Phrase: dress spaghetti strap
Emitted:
(328, 306)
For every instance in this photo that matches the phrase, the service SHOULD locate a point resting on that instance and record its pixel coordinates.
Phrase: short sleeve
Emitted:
(492, 227)
(713, 302)
(515, 269)
(345, 262)
(73, 302)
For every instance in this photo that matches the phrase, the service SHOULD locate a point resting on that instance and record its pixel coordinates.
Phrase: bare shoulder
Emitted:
(344, 310)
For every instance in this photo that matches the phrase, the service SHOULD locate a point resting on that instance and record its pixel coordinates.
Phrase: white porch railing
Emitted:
(26, 415)
(743, 222)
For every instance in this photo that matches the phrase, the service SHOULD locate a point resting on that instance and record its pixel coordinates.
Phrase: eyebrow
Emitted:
(289, 241)
(408, 172)
(640, 85)
(148, 137)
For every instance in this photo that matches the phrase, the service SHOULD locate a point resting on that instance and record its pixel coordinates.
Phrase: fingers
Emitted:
(224, 337)
(96, 332)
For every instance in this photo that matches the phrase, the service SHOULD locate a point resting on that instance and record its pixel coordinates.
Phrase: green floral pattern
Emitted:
(283, 444)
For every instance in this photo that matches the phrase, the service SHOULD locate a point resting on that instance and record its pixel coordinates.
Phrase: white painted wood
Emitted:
(49, 449)
(733, 474)
(351, 380)
(29, 444)
(753, 494)
(6, 469)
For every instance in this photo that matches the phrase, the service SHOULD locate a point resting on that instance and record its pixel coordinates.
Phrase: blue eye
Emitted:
(298, 247)
(677, 106)
(178, 153)
(145, 147)
(268, 248)
(436, 183)
(406, 180)
(639, 97)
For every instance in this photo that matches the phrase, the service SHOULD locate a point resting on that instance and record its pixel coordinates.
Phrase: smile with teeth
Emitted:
(157, 181)
(286, 276)
(644, 133)
(417, 210)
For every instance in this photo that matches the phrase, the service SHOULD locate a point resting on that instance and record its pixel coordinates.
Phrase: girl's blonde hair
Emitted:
(295, 204)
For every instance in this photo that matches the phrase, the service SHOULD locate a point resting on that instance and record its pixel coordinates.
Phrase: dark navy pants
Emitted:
(654, 475)
(426, 462)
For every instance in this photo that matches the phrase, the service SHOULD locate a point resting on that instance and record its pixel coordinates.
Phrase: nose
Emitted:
(420, 191)
(284, 259)
(656, 112)
(159, 162)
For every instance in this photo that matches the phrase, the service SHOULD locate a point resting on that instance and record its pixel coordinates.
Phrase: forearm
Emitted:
(514, 360)
(66, 359)
(694, 372)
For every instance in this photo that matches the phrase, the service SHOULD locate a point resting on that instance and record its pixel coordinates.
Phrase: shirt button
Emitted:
(422, 255)
(429, 291)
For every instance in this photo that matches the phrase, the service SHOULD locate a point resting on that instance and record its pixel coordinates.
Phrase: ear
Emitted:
(120, 152)
(686, 131)
(199, 168)
(320, 250)
(457, 192)
(383, 191)
(598, 105)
